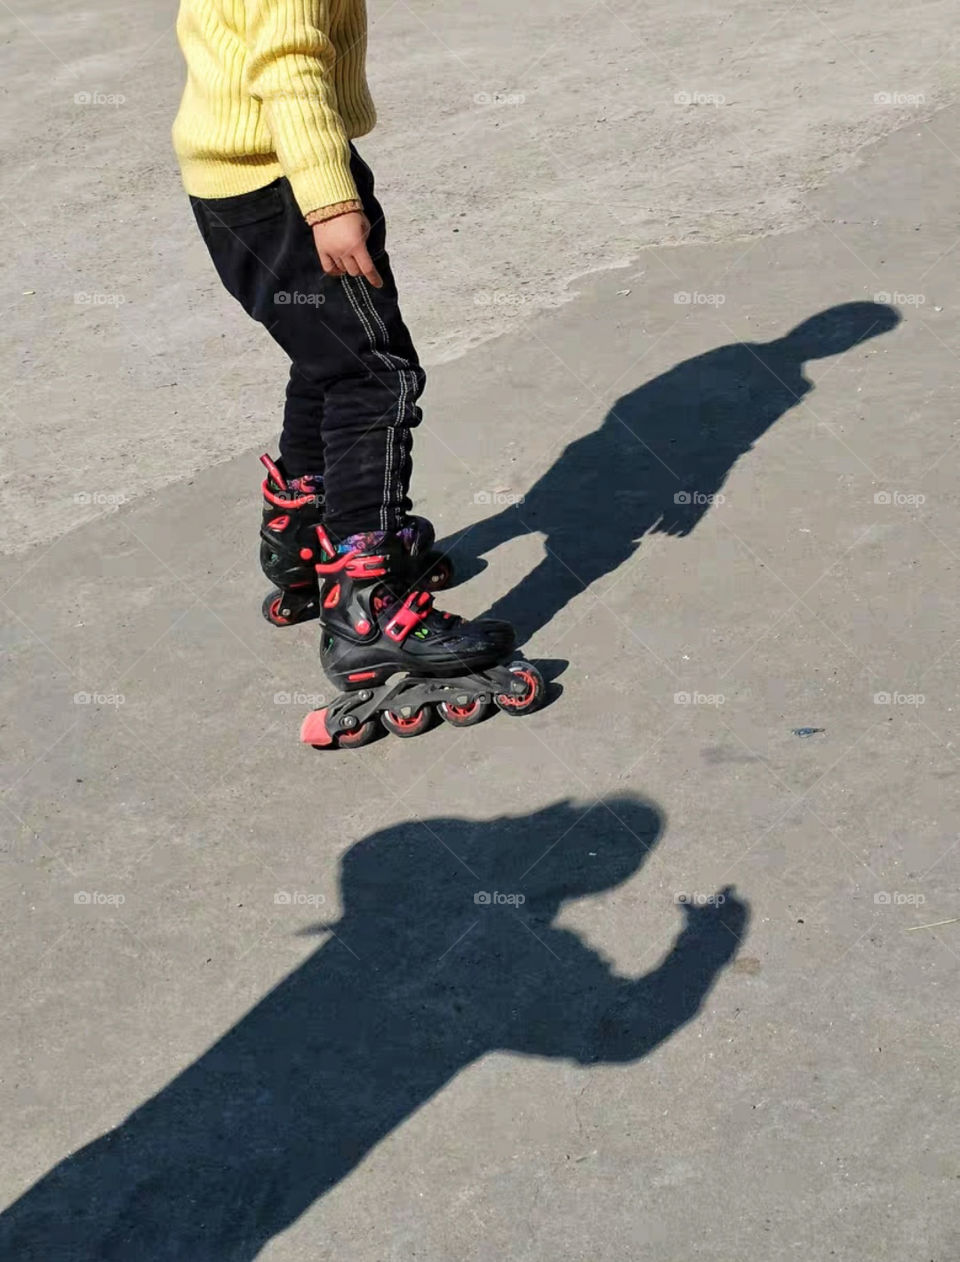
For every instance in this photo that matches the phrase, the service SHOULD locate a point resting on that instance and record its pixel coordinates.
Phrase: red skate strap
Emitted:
(274, 472)
(365, 567)
(349, 563)
(409, 616)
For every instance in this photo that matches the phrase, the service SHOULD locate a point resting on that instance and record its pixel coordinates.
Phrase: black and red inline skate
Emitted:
(292, 510)
(400, 662)
(291, 513)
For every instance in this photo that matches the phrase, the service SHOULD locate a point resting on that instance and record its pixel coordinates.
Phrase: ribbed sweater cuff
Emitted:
(324, 213)
(322, 185)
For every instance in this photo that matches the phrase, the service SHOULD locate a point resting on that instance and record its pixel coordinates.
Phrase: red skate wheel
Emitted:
(362, 735)
(440, 574)
(271, 610)
(530, 698)
(464, 715)
(403, 725)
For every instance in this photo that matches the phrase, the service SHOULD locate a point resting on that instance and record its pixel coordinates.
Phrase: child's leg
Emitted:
(355, 373)
(301, 439)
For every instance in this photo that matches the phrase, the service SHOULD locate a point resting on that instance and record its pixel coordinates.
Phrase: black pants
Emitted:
(354, 377)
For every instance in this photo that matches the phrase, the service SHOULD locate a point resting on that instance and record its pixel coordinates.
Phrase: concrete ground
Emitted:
(252, 1005)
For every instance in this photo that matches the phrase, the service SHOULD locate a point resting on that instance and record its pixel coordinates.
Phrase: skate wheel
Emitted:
(403, 725)
(464, 715)
(284, 609)
(271, 610)
(440, 574)
(530, 698)
(363, 735)
(313, 731)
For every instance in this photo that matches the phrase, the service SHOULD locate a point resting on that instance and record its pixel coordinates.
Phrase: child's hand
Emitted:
(342, 246)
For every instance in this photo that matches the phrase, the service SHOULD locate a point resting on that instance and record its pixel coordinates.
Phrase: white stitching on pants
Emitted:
(371, 338)
(394, 362)
(392, 431)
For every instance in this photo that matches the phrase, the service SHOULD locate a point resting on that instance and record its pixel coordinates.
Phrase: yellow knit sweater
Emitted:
(274, 87)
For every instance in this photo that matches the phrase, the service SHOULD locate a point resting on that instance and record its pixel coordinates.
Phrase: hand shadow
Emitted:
(658, 460)
(428, 969)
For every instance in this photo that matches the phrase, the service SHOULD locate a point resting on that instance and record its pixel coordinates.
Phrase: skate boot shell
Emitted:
(288, 547)
(288, 544)
(400, 662)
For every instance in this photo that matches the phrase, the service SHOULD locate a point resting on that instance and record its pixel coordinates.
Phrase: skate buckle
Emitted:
(349, 563)
(409, 616)
(365, 566)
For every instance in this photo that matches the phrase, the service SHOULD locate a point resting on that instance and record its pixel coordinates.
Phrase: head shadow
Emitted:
(446, 949)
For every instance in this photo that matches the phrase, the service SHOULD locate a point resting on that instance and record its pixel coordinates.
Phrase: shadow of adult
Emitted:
(659, 459)
(435, 962)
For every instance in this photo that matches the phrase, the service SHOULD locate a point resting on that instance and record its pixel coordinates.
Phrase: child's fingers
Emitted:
(366, 268)
(329, 265)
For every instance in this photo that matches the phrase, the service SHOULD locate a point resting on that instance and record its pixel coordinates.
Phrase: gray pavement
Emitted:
(380, 1067)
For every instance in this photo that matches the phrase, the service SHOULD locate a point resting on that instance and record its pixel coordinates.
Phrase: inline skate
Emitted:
(399, 661)
(292, 510)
